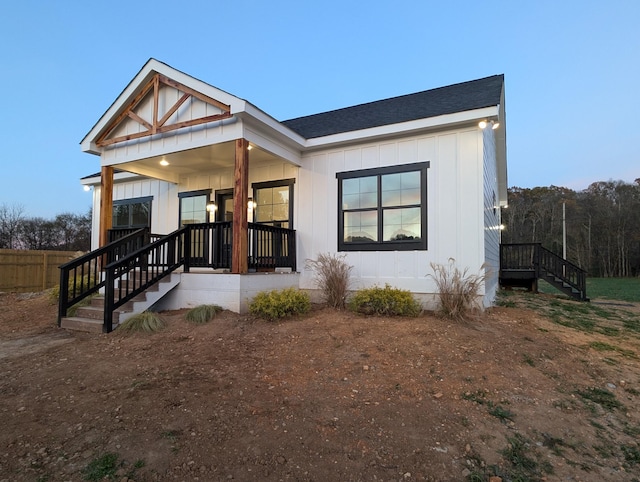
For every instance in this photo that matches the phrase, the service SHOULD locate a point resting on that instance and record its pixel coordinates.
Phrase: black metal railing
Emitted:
(83, 276)
(271, 247)
(210, 245)
(129, 265)
(545, 264)
(130, 276)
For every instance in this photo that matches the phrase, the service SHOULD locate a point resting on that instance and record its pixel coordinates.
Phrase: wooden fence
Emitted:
(31, 271)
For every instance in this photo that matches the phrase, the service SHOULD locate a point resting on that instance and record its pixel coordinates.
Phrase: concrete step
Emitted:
(81, 324)
(90, 318)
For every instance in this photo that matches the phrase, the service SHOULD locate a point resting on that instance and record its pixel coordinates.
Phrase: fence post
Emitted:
(45, 271)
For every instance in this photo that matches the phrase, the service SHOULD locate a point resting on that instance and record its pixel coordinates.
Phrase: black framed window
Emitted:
(383, 209)
(132, 213)
(193, 207)
(273, 203)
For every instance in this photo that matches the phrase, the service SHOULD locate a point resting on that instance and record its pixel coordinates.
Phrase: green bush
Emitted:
(54, 293)
(147, 321)
(332, 277)
(276, 304)
(202, 313)
(384, 301)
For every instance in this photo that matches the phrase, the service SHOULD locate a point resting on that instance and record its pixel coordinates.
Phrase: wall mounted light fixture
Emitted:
(485, 123)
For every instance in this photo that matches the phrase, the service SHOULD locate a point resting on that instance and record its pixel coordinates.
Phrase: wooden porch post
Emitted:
(239, 250)
(106, 203)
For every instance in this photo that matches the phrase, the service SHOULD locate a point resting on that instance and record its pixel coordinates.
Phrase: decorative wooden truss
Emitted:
(158, 126)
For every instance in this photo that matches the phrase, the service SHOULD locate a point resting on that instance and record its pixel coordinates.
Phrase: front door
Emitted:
(224, 201)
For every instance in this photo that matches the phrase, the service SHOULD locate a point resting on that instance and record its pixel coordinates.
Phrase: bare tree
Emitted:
(10, 219)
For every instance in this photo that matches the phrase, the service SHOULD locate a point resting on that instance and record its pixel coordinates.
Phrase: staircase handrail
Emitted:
(151, 262)
(564, 270)
(87, 270)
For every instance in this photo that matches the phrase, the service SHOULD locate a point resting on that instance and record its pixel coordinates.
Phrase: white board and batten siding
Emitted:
(454, 211)
(492, 218)
(164, 206)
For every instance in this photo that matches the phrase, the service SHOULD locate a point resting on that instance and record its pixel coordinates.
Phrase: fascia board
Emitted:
(390, 130)
(117, 177)
(140, 80)
(252, 112)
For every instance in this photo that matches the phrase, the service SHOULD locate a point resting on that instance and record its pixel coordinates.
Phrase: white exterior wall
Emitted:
(492, 219)
(163, 209)
(165, 205)
(454, 210)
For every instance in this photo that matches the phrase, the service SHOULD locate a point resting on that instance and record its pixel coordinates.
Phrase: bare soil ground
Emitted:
(331, 396)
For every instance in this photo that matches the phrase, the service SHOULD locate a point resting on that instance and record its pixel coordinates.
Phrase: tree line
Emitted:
(602, 224)
(65, 232)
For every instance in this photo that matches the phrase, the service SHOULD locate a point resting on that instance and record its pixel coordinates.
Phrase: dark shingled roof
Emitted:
(474, 94)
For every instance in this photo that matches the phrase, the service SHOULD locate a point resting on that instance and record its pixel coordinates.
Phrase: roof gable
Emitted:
(475, 94)
(159, 99)
(163, 105)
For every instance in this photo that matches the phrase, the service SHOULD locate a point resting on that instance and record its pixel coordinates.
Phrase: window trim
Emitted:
(130, 201)
(406, 245)
(280, 183)
(185, 194)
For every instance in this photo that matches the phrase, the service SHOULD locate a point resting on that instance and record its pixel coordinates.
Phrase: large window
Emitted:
(383, 209)
(132, 213)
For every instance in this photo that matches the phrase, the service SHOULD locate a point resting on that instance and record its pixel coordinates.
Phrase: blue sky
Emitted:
(571, 70)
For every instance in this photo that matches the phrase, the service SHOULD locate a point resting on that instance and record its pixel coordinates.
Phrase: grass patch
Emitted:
(147, 321)
(102, 467)
(604, 398)
(631, 454)
(601, 346)
(501, 413)
(202, 314)
(623, 289)
(528, 360)
(523, 467)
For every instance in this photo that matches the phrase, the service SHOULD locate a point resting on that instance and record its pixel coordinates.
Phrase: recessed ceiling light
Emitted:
(164, 162)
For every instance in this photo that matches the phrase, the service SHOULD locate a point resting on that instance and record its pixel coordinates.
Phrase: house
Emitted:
(395, 185)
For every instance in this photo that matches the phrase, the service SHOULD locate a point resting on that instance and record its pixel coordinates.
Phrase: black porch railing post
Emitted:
(63, 296)
(187, 249)
(109, 294)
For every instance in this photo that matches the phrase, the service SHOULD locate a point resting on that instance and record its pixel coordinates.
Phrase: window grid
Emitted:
(383, 209)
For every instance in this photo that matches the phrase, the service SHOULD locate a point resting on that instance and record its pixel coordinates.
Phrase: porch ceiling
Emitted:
(195, 161)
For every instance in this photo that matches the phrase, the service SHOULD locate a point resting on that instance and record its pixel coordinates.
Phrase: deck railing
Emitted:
(128, 265)
(542, 263)
(83, 276)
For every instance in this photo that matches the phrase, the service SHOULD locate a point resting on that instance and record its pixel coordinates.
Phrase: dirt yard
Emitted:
(332, 396)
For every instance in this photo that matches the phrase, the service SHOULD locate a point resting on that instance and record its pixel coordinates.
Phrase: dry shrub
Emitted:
(332, 277)
(457, 289)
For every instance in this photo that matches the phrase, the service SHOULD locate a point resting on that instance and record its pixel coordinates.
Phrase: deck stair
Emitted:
(90, 318)
(522, 265)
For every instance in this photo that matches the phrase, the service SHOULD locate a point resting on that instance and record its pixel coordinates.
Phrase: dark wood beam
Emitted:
(106, 203)
(239, 250)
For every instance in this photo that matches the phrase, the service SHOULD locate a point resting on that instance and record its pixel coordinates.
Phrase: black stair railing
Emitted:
(83, 276)
(129, 265)
(516, 259)
(132, 275)
(562, 273)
